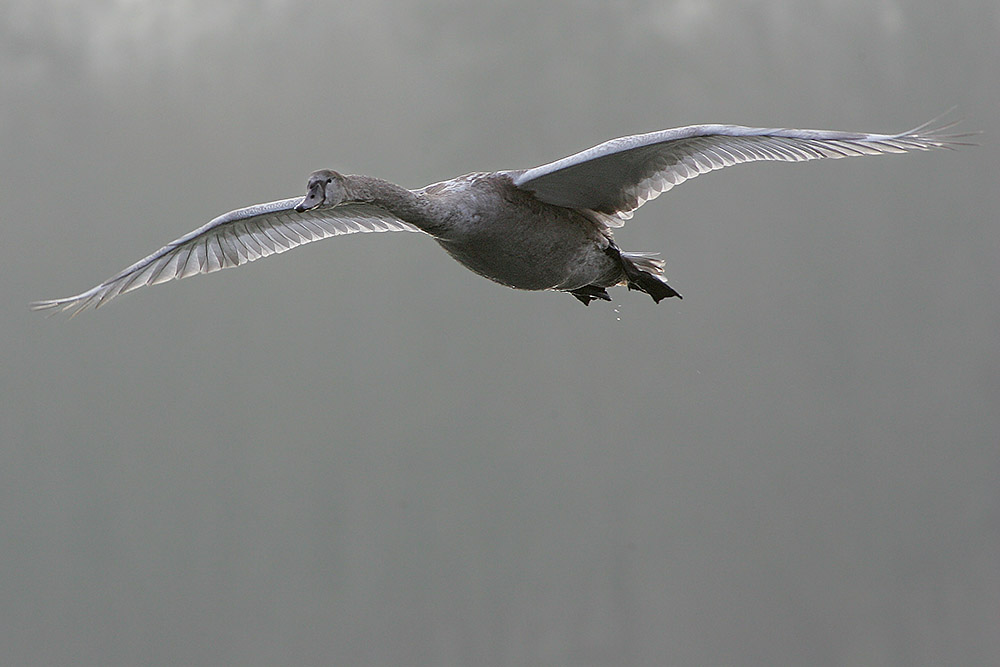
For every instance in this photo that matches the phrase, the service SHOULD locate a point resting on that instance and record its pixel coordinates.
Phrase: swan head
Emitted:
(325, 188)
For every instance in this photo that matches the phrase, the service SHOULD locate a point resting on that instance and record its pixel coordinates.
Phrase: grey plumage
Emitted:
(549, 227)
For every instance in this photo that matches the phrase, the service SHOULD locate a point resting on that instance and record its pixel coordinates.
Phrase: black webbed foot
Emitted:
(651, 285)
(643, 281)
(589, 293)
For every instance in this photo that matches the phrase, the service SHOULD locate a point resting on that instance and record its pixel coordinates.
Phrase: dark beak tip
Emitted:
(313, 198)
(308, 203)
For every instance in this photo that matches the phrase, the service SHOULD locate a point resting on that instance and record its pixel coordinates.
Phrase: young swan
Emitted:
(546, 228)
(325, 188)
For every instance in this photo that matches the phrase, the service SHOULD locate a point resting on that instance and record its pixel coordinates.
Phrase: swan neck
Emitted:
(404, 204)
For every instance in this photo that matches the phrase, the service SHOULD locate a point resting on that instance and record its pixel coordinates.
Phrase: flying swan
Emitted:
(547, 228)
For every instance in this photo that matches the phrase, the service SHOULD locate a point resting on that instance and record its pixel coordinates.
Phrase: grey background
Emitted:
(361, 453)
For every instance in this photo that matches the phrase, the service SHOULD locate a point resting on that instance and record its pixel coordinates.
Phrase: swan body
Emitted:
(546, 228)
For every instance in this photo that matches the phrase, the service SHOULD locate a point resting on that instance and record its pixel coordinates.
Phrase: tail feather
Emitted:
(646, 261)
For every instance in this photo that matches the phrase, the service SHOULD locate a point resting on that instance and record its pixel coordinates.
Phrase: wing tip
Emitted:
(934, 133)
(77, 304)
(51, 304)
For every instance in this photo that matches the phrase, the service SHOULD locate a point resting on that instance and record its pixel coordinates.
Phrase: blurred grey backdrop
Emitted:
(361, 453)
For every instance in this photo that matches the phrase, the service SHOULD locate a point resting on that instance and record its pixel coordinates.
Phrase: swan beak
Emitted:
(313, 199)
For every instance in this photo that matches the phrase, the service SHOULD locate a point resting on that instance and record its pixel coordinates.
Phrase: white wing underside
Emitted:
(236, 238)
(617, 177)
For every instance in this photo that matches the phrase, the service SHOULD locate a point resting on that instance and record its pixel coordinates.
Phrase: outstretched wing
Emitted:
(620, 175)
(235, 238)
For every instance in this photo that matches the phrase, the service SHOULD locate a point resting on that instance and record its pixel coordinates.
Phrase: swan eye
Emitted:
(329, 180)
